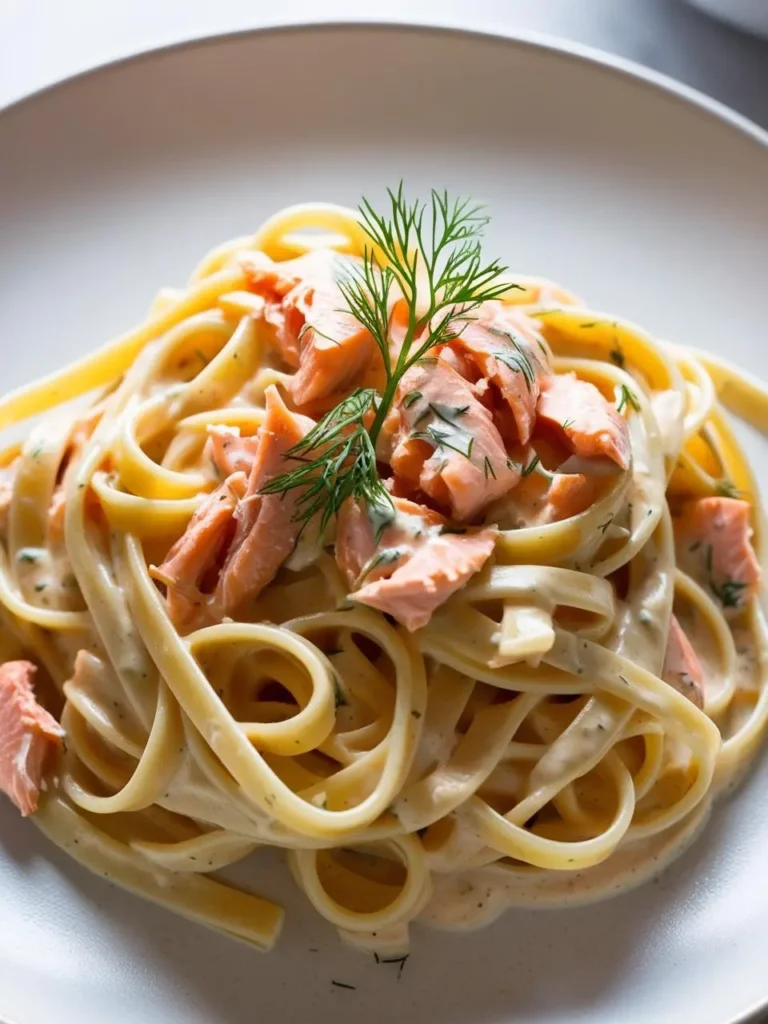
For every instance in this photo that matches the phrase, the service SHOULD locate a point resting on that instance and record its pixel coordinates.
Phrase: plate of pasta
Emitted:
(389, 599)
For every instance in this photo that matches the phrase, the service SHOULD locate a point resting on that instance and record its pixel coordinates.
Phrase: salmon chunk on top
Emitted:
(414, 566)
(314, 331)
(267, 528)
(579, 417)
(439, 438)
(505, 349)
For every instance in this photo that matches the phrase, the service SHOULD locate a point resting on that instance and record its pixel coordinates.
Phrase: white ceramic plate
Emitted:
(644, 199)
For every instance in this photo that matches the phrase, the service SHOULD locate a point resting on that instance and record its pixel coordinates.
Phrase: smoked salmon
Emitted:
(575, 414)
(229, 452)
(197, 551)
(314, 331)
(29, 736)
(361, 556)
(682, 668)
(438, 437)
(267, 528)
(715, 534)
(414, 566)
(543, 498)
(503, 347)
(238, 538)
(435, 571)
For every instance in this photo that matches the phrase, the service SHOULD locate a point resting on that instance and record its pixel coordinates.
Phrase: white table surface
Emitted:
(42, 41)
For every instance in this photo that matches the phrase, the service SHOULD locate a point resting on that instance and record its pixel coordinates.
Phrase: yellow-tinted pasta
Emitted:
(521, 749)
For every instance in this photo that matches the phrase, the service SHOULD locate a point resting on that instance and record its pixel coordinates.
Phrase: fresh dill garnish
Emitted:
(399, 960)
(709, 558)
(729, 592)
(519, 360)
(617, 356)
(568, 423)
(430, 255)
(488, 468)
(337, 460)
(602, 527)
(28, 555)
(343, 984)
(202, 356)
(457, 440)
(410, 398)
(727, 489)
(339, 696)
(627, 397)
(531, 466)
(385, 556)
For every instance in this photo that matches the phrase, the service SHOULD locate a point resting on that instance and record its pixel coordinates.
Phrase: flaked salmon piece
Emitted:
(314, 330)
(435, 571)
(272, 282)
(266, 531)
(682, 668)
(580, 417)
(358, 553)
(715, 533)
(444, 441)
(198, 550)
(229, 452)
(504, 347)
(540, 499)
(29, 736)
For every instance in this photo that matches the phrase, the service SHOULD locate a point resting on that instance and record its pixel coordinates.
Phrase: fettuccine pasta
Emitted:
(505, 652)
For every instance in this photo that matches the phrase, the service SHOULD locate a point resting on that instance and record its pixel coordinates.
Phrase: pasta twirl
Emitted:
(230, 677)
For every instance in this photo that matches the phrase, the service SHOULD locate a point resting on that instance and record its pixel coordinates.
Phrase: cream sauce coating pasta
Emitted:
(521, 749)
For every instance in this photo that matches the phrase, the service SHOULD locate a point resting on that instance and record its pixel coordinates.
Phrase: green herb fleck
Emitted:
(343, 984)
(627, 397)
(531, 466)
(410, 398)
(727, 489)
(488, 468)
(729, 592)
(340, 696)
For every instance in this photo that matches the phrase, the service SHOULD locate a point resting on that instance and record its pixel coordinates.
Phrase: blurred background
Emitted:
(42, 41)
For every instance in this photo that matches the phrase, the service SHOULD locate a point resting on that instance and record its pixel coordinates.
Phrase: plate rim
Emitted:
(533, 40)
(530, 39)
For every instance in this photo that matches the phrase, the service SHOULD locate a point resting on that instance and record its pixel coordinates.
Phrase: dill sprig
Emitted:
(336, 460)
(429, 254)
(627, 397)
